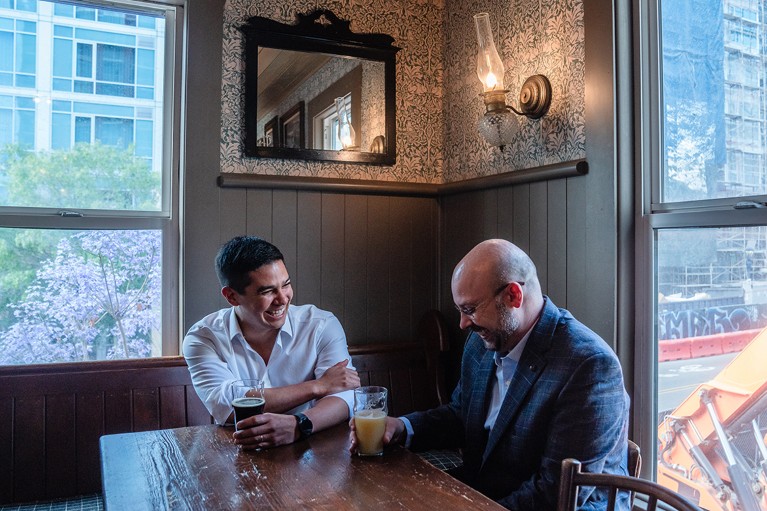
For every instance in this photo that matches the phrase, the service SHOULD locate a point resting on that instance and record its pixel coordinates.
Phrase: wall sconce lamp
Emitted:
(498, 125)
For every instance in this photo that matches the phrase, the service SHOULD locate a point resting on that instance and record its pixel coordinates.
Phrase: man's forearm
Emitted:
(282, 399)
(328, 412)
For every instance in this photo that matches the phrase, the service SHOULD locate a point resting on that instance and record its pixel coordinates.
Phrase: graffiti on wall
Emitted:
(710, 321)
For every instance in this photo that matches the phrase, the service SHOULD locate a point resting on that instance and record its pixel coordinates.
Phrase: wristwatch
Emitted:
(305, 426)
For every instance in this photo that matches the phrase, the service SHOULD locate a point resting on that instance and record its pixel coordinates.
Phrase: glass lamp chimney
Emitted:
(345, 130)
(489, 65)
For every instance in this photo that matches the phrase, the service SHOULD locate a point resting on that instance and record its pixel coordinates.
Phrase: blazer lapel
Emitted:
(528, 371)
(478, 403)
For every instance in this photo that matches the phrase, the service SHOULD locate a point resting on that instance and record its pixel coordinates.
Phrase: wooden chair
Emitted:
(434, 333)
(634, 459)
(572, 479)
(634, 465)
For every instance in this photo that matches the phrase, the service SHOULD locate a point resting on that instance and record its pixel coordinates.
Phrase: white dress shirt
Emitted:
(505, 367)
(310, 341)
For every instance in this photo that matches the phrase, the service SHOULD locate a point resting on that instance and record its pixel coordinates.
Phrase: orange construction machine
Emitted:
(712, 446)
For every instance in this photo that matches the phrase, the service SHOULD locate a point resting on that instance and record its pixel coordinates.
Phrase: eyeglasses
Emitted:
(471, 310)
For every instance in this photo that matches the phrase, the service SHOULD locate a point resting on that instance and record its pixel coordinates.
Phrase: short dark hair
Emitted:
(242, 255)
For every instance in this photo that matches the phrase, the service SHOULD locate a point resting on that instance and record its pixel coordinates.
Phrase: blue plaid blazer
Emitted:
(566, 399)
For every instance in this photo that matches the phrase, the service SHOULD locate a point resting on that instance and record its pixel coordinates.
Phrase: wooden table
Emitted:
(200, 468)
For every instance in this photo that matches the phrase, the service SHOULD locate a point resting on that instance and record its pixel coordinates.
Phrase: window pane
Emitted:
(25, 126)
(84, 288)
(115, 63)
(6, 118)
(99, 48)
(60, 131)
(84, 60)
(114, 132)
(82, 130)
(712, 343)
(86, 13)
(26, 5)
(145, 67)
(73, 296)
(25, 53)
(63, 10)
(706, 123)
(62, 57)
(6, 51)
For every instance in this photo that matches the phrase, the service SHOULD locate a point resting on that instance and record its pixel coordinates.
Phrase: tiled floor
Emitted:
(84, 503)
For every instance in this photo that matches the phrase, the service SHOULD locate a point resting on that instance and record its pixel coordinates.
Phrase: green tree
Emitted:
(85, 177)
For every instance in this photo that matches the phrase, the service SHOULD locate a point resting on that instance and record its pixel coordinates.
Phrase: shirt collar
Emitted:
(286, 331)
(234, 326)
(516, 353)
(235, 331)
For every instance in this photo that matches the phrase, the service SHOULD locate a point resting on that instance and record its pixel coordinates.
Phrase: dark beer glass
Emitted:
(247, 398)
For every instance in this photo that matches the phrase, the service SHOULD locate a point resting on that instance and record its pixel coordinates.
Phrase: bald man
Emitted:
(536, 386)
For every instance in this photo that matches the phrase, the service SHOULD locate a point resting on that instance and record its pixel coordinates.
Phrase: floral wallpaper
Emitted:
(438, 103)
(416, 26)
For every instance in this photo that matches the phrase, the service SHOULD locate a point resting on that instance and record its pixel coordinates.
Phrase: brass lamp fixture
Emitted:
(498, 126)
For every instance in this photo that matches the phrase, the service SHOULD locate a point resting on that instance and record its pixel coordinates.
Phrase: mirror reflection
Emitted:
(316, 90)
(319, 101)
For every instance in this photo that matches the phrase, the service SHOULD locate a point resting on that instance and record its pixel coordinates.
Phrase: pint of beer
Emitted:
(247, 398)
(370, 411)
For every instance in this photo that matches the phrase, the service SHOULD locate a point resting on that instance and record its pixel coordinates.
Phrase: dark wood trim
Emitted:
(372, 187)
(517, 177)
(331, 185)
(399, 347)
(90, 367)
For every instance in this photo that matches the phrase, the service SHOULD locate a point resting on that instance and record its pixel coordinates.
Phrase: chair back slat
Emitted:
(634, 459)
(572, 479)
(611, 499)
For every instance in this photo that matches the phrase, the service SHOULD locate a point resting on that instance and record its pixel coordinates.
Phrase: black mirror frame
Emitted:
(320, 31)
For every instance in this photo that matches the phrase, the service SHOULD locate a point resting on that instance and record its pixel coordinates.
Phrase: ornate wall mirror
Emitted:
(317, 91)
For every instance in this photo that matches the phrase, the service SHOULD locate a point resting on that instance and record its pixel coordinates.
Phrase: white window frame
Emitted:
(166, 219)
(325, 121)
(652, 215)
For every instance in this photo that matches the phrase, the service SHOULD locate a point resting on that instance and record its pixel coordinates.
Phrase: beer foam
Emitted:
(248, 401)
(370, 414)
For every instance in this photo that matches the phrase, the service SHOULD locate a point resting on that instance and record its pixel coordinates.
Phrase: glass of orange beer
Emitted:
(370, 410)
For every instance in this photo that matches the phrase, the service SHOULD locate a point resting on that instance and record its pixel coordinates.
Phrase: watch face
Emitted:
(305, 425)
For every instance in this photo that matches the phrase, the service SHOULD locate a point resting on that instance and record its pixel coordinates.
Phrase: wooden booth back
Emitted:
(52, 416)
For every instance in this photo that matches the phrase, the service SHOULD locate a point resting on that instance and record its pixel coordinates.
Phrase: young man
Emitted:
(536, 386)
(299, 351)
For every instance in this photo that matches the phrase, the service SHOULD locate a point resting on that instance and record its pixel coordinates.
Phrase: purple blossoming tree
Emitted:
(99, 297)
